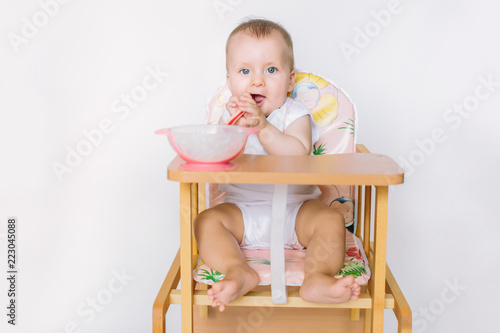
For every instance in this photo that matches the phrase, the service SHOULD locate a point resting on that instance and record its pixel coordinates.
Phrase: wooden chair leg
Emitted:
(379, 259)
(203, 309)
(368, 320)
(162, 301)
(187, 282)
(355, 314)
(359, 200)
(367, 218)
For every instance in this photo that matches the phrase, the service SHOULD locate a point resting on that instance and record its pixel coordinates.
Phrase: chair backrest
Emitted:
(335, 115)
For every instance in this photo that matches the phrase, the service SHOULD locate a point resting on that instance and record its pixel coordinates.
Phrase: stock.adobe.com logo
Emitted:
(363, 36)
(453, 118)
(89, 309)
(436, 307)
(122, 107)
(31, 26)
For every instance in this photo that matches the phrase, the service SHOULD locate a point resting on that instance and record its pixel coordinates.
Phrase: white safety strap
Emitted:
(286, 114)
(278, 287)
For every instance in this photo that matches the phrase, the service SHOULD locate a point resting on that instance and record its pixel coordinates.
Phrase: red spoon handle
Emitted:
(234, 118)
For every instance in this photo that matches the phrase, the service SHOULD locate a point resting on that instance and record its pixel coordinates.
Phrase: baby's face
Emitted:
(260, 67)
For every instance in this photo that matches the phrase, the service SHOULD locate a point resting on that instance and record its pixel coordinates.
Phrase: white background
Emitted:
(115, 213)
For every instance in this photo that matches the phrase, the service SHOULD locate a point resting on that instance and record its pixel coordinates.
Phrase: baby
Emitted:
(260, 73)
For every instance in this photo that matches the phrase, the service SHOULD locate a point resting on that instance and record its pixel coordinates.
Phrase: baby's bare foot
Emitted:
(238, 281)
(321, 288)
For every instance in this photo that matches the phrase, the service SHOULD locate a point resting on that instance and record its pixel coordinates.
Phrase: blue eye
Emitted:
(244, 71)
(271, 70)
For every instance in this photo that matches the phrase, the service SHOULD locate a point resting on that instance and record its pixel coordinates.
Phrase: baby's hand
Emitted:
(234, 112)
(253, 114)
(232, 105)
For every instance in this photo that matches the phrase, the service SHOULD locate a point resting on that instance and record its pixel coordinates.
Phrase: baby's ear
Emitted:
(291, 82)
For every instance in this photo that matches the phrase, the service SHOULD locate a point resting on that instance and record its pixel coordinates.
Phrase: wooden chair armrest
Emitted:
(401, 307)
(361, 149)
(162, 301)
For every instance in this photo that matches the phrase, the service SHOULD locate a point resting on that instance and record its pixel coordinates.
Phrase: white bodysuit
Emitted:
(255, 200)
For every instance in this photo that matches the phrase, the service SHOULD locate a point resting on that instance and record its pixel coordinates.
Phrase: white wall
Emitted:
(116, 214)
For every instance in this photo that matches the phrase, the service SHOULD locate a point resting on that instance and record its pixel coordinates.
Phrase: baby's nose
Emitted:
(257, 80)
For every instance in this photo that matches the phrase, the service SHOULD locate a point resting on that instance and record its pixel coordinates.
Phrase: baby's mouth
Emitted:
(259, 99)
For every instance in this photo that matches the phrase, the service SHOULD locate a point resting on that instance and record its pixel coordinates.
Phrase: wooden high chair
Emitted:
(371, 173)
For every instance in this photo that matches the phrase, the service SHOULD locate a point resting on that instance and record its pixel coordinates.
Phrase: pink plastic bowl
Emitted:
(207, 147)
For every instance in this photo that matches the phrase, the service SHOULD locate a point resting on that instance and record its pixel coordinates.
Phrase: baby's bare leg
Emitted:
(321, 230)
(219, 232)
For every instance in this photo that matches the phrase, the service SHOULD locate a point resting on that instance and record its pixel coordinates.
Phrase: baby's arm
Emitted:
(296, 140)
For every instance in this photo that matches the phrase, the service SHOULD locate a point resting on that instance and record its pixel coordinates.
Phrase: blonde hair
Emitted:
(261, 28)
